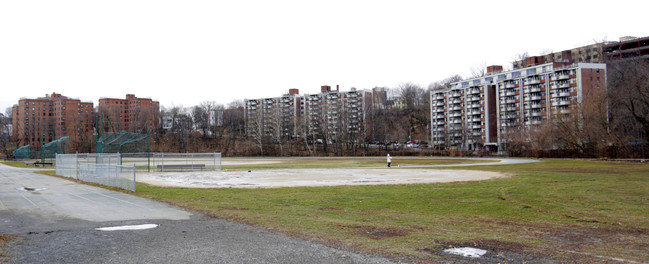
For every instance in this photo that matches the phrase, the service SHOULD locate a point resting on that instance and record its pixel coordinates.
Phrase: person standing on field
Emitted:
(389, 160)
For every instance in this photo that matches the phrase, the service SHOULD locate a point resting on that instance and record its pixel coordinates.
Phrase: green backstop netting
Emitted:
(122, 142)
(60, 146)
(22, 153)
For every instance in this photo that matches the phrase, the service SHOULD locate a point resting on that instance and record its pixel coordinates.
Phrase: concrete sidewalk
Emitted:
(54, 198)
(58, 221)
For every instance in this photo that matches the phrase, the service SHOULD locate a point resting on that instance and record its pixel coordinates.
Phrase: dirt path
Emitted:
(310, 177)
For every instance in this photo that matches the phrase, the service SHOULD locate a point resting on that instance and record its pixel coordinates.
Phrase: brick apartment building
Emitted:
(586, 54)
(321, 116)
(481, 111)
(44, 119)
(627, 47)
(132, 114)
(603, 52)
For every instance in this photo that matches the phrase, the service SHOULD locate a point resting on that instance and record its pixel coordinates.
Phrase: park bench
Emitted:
(43, 164)
(181, 166)
(36, 163)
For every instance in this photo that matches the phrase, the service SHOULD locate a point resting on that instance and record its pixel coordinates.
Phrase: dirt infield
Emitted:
(310, 177)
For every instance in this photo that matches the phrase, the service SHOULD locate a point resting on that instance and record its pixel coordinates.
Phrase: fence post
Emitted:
(134, 178)
(76, 162)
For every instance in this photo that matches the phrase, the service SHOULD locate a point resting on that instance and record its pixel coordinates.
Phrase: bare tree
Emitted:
(445, 83)
(479, 70)
(628, 87)
(519, 60)
(5, 137)
(201, 118)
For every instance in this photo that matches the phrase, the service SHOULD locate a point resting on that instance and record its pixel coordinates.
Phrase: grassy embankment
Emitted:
(564, 209)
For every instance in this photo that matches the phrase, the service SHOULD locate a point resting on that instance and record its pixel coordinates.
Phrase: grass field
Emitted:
(563, 210)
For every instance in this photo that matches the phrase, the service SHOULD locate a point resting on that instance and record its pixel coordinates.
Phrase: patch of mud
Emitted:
(378, 233)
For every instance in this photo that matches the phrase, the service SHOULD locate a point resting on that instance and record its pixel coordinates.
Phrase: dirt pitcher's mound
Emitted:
(310, 177)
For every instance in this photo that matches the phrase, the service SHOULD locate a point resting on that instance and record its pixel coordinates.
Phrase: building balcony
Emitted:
(474, 98)
(561, 76)
(535, 89)
(474, 91)
(533, 81)
(439, 104)
(510, 93)
(536, 114)
(561, 86)
(510, 85)
(456, 108)
(563, 94)
(476, 119)
(562, 103)
(535, 106)
(535, 98)
(564, 111)
(510, 101)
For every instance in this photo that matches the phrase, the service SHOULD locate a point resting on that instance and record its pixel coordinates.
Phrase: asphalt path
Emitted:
(55, 220)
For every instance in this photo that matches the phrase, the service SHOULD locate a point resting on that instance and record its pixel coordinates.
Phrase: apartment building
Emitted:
(132, 114)
(275, 117)
(482, 111)
(322, 116)
(332, 113)
(627, 47)
(41, 120)
(586, 54)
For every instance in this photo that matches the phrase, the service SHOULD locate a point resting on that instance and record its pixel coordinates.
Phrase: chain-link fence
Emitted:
(97, 168)
(172, 161)
(118, 169)
(22, 153)
(60, 146)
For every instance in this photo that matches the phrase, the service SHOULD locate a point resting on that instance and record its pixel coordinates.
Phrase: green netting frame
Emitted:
(123, 142)
(60, 146)
(22, 153)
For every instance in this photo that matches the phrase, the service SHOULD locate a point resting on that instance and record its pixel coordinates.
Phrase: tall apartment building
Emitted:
(481, 111)
(132, 114)
(323, 116)
(44, 119)
(332, 113)
(274, 117)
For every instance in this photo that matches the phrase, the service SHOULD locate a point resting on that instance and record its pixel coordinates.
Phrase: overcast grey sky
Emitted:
(186, 52)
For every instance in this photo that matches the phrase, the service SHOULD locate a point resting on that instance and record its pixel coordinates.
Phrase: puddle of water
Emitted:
(30, 189)
(127, 227)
